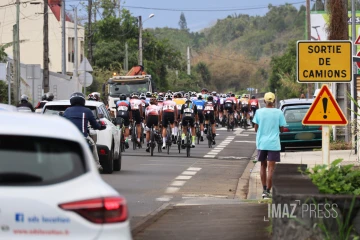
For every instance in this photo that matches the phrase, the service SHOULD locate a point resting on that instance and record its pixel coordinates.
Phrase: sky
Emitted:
(197, 20)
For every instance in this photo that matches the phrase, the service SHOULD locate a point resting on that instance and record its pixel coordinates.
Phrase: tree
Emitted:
(182, 22)
(3, 54)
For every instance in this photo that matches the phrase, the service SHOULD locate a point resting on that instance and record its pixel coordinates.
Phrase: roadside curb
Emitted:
(243, 186)
(150, 219)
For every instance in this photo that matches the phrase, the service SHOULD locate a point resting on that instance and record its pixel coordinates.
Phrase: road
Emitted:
(148, 183)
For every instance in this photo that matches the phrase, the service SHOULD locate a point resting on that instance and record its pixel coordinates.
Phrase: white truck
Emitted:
(118, 85)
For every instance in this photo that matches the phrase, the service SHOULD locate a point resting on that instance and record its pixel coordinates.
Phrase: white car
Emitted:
(8, 108)
(50, 186)
(108, 140)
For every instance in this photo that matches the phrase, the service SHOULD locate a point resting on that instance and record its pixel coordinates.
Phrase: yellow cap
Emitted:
(269, 97)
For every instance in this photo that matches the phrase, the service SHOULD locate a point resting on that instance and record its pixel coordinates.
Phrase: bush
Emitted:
(336, 179)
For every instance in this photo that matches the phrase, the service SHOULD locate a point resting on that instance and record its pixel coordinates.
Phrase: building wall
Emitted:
(31, 31)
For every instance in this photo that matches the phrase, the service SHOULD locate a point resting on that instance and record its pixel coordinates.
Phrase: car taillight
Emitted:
(320, 128)
(102, 152)
(100, 210)
(286, 129)
(103, 123)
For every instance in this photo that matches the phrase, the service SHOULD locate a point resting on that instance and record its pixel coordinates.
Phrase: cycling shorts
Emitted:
(201, 116)
(185, 120)
(254, 109)
(221, 109)
(245, 109)
(168, 117)
(152, 120)
(136, 116)
(210, 116)
(124, 119)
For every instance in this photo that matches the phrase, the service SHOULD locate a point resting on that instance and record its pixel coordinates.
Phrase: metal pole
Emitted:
(326, 145)
(119, 2)
(308, 31)
(76, 43)
(9, 82)
(140, 42)
(15, 65)
(89, 32)
(352, 84)
(46, 48)
(188, 61)
(126, 57)
(63, 37)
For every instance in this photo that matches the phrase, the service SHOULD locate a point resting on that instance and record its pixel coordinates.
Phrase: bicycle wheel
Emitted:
(152, 142)
(245, 123)
(228, 124)
(209, 137)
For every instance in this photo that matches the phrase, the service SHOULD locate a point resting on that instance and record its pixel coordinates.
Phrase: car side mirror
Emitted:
(100, 115)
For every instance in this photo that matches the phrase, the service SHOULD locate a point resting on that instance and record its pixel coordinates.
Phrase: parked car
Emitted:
(108, 140)
(50, 186)
(295, 133)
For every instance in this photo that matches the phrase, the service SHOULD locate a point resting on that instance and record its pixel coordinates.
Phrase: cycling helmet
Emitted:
(160, 99)
(134, 95)
(210, 98)
(193, 94)
(232, 95)
(186, 95)
(200, 97)
(178, 95)
(214, 93)
(122, 97)
(148, 94)
(204, 90)
(168, 96)
(43, 98)
(253, 96)
(91, 97)
(161, 94)
(77, 98)
(142, 96)
(49, 96)
(24, 98)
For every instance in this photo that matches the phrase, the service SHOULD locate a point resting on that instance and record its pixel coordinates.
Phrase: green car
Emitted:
(295, 134)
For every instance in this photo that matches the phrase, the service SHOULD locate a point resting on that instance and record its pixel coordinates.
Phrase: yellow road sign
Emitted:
(324, 110)
(324, 61)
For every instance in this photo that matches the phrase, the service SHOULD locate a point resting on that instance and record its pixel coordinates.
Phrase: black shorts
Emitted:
(168, 117)
(210, 117)
(152, 120)
(136, 116)
(124, 119)
(229, 110)
(253, 109)
(245, 109)
(185, 120)
(201, 116)
(221, 109)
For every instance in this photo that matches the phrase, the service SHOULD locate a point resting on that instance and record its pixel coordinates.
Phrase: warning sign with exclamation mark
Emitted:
(324, 110)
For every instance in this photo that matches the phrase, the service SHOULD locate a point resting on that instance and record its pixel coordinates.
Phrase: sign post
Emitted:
(324, 61)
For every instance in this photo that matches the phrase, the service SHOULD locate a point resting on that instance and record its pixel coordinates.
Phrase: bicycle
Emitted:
(168, 138)
(209, 135)
(244, 121)
(133, 134)
(198, 132)
(154, 137)
(188, 141)
(178, 137)
(230, 125)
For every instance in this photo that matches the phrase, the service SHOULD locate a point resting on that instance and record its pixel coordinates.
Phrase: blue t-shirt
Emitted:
(269, 121)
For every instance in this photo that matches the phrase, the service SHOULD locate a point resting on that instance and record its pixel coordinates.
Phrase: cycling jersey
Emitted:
(179, 102)
(135, 105)
(188, 112)
(152, 113)
(123, 109)
(209, 112)
(169, 106)
(254, 103)
(244, 102)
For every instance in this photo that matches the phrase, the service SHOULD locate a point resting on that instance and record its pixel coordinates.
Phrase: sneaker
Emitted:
(213, 143)
(147, 149)
(126, 145)
(100, 169)
(201, 139)
(164, 146)
(192, 145)
(266, 195)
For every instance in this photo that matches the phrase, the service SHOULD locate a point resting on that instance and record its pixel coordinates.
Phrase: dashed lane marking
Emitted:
(178, 183)
(164, 198)
(172, 189)
(188, 173)
(183, 177)
(193, 169)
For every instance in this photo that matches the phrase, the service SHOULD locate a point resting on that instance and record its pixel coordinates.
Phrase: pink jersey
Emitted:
(169, 106)
(135, 104)
(152, 110)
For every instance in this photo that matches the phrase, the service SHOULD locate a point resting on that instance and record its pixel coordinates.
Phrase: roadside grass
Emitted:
(338, 145)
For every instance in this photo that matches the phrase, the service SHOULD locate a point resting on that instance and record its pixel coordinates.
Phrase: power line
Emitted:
(231, 59)
(12, 4)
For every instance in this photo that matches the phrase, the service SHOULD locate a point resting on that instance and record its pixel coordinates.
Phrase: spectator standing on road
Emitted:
(269, 122)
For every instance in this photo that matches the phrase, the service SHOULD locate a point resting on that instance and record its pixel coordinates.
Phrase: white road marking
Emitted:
(188, 173)
(178, 183)
(164, 198)
(194, 169)
(172, 189)
(216, 150)
(183, 177)
(209, 156)
(211, 153)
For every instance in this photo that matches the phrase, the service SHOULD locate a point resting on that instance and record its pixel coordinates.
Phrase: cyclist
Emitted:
(170, 113)
(210, 110)
(80, 115)
(148, 96)
(179, 100)
(221, 107)
(216, 100)
(230, 107)
(41, 104)
(254, 103)
(24, 102)
(152, 116)
(193, 96)
(137, 112)
(204, 93)
(49, 96)
(160, 101)
(123, 110)
(188, 113)
(200, 103)
(244, 107)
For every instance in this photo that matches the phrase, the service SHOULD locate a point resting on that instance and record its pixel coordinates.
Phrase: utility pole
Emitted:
(119, 2)
(353, 83)
(188, 61)
(46, 48)
(308, 31)
(63, 37)
(126, 57)
(16, 52)
(140, 42)
(89, 32)
(75, 74)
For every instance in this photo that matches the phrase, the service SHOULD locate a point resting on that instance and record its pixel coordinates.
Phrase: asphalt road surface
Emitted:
(148, 183)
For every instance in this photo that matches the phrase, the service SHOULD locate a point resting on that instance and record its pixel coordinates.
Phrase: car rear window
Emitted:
(29, 161)
(293, 115)
(56, 109)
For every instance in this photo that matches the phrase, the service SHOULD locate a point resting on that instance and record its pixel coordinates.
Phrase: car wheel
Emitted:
(109, 165)
(117, 162)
